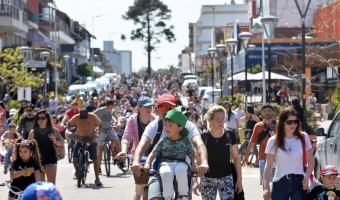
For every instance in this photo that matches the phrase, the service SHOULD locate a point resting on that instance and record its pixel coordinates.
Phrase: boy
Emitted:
(174, 148)
(326, 191)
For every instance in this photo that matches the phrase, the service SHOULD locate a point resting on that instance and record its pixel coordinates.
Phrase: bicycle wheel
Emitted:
(85, 168)
(80, 173)
(124, 165)
(107, 159)
(70, 151)
(243, 149)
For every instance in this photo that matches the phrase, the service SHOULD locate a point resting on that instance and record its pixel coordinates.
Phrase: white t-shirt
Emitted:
(151, 130)
(232, 123)
(288, 162)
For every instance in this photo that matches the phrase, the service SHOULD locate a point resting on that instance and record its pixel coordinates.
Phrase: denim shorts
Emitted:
(288, 188)
(92, 150)
(109, 131)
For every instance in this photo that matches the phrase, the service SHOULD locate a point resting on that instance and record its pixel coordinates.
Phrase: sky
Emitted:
(110, 25)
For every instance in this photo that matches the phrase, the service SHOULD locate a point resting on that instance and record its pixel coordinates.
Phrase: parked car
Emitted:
(207, 97)
(186, 83)
(201, 91)
(80, 89)
(327, 150)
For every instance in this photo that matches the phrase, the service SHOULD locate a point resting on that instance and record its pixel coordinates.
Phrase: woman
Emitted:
(47, 136)
(134, 131)
(219, 142)
(251, 119)
(4, 114)
(232, 120)
(291, 149)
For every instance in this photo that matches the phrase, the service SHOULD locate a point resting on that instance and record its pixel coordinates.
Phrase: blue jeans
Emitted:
(262, 164)
(285, 189)
(8, 157)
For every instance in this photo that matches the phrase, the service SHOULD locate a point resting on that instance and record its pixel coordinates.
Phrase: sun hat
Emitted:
(179, 118)
(166, 98)
(39, 190)
(144, 101)
(12, 111)
(328, 170)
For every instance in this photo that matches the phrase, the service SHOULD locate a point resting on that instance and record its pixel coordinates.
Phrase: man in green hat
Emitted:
(174, 148)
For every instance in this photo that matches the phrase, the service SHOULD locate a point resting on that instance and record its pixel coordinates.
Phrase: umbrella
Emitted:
(240, 76)
(274, 76)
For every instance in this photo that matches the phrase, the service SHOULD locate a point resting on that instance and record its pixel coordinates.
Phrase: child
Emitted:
(326, 191)
(25, 168)
(174, 148)
(10, 138)
(121, 127)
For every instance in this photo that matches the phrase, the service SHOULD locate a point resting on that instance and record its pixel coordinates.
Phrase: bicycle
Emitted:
(243, 149)
(71, 144)
(82, 166)
(18, 193)
(123, 165)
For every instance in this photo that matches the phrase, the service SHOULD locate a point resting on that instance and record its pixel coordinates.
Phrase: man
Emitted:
(61, 108)
(105, 115)
(91, 107)
(86, 123)
(27, 121)
(68, 115)
(240, 112)
(165, 103)
(262, 131)
(53, 102)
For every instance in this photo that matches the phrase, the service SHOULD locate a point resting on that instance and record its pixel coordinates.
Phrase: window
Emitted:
(298, 54)
(279, 59)
(335, 127)
(289, 56)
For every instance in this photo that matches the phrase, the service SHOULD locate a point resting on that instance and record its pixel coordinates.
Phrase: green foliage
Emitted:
(234, 102)
(170, 70)
(336, 98)
(14, 104)
(13, 71)
(149, 17)
(255, 69)
(62, 86)
(78, 82)
(85, 69)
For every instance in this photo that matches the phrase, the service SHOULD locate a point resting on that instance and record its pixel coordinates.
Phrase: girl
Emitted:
(25, 168)
(46, 136)
(9, 137)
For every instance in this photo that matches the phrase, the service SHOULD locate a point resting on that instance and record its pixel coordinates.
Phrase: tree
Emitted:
(85, 69)
(150, 17)
(13, 71)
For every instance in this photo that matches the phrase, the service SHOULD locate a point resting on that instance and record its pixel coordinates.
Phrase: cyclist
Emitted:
(165, 103)
(68, 115)
(86, 123)
(262, 131)
(105, 115)
(27, 121)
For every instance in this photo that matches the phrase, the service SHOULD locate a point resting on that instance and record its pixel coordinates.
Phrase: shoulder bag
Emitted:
(59, 148)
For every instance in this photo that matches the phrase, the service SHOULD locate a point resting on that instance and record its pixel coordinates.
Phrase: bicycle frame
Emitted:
(8, 185)
(83, 164)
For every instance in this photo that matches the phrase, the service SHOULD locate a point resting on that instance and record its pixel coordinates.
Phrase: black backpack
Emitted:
(157, 137)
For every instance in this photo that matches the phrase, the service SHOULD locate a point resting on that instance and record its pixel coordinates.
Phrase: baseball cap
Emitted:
(267, 106)
(39, 190)
(166, 98)
(12, 111)
(179, 118)
(328, 170)
(144, 101)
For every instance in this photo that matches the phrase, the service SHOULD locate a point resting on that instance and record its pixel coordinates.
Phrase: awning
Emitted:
(39, 38)
(240, 76)
(273, 76)
(97, 70)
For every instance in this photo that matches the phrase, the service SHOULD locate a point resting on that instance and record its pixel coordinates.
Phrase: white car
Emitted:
(201, 90)
(207, 97)
(187, 82)
(80, 89)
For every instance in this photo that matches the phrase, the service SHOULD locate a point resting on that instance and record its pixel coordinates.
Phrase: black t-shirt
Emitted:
(322, 193)
(141, 127)
(46, 147)
(218, 154)
(23, 181)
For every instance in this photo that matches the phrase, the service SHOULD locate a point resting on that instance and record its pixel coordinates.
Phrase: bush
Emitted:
(14, 104)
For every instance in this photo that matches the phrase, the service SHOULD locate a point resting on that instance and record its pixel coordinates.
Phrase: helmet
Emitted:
(328, 170)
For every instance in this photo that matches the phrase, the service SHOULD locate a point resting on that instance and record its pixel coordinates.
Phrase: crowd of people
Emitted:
(147, 118)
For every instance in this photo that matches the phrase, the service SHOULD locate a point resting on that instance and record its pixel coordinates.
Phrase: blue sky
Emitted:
(110, 26)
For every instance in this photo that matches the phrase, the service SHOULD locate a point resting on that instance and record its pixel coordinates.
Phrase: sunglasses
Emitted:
(29, 110)
(165, 108)
(290, 122)
(41, 118)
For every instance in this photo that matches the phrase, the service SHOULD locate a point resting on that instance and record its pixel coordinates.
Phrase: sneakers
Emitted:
(97, 182)
(137, 197)
(5, 171)
(183, 198)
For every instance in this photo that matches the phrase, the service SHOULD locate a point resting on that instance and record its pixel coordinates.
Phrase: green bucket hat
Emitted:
(179, 118)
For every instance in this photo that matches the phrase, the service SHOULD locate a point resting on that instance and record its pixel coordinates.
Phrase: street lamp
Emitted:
(231, 43)
(303, 59)
(222, 53)
(93, 33)
(44, 56)
(67, 73)
(268, 25)
(245, 39)
(212, 55)
(25, 52)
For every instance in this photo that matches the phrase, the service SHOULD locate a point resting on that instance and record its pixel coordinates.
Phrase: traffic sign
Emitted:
(36, 64)
(25, 93)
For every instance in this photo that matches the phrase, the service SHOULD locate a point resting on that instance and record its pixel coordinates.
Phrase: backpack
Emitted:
(265, 132)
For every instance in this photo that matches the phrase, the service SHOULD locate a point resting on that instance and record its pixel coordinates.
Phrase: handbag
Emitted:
(59, 149)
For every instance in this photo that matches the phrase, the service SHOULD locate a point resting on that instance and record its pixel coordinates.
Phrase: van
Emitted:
(77, 88)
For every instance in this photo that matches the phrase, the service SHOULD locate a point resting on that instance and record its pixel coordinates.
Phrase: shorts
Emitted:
(92, 149)
(112, 135)
(156, 189)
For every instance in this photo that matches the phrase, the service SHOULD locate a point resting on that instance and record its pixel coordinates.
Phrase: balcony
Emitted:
(32, 20)
(13, 19)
